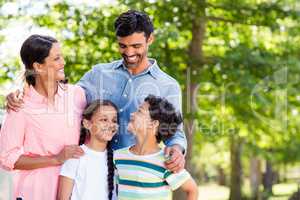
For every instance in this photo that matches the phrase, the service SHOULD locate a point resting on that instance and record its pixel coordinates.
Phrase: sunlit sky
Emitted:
(18, 30)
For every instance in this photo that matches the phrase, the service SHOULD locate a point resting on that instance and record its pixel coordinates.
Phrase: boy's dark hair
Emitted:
(35, 49)
(84, 135)
(133, 21)
(169, 119)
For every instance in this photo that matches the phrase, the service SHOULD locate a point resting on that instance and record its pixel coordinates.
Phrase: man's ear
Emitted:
(86, 124)
(150, 39)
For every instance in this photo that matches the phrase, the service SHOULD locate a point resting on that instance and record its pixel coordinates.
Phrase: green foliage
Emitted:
(86, 33)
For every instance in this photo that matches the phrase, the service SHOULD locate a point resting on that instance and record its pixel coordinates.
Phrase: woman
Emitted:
(41, 136)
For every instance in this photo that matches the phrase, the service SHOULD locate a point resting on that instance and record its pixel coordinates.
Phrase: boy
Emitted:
(141, 171)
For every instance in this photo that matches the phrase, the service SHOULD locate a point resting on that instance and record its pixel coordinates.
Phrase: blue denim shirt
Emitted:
(113, 81)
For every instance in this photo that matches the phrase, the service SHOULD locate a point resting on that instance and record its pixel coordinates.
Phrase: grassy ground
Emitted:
(215, 192)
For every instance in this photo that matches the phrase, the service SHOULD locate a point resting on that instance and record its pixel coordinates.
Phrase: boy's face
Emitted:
(140, 121)
(134, 48)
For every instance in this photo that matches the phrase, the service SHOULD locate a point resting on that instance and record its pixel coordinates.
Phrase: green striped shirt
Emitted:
(145, 177)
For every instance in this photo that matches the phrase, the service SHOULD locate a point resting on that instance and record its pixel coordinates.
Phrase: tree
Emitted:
(236, 61)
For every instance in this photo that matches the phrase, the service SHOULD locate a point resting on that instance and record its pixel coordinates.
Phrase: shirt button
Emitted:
(125, 95)
(121, 110)
(116, 140)
(130, 80)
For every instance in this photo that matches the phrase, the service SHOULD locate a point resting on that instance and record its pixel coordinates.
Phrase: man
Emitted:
(128, 81)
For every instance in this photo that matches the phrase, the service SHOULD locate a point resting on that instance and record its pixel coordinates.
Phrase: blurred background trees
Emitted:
(238, 65)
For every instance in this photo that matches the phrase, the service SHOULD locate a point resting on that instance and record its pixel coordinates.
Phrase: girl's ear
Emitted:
(86, 124)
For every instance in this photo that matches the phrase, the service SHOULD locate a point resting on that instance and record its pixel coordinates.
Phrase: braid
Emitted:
(84, 135)
(111, 171)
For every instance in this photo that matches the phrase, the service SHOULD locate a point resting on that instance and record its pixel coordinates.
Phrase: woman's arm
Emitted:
(34, 162)
(26, 162)
(191, 189)
(65, 188)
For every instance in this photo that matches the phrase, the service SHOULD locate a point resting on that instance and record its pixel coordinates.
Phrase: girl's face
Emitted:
(103, 124)
(140, 121)
(53, 66)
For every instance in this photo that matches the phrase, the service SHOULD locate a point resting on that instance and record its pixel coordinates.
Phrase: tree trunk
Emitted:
(268, 179)
(255, 178)
(236, 168)
(221, 176)
(195, 62)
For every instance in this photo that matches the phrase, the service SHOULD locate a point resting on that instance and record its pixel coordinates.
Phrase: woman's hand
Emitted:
(69, 151)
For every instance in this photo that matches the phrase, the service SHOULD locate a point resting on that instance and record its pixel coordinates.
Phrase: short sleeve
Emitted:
(69, 168)
(175, 180)
(12, 136)
(80, 98)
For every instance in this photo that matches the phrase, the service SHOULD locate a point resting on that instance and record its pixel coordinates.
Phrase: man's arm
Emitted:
(177, 144)
(174, 96)
(87, 82)
(14, 101)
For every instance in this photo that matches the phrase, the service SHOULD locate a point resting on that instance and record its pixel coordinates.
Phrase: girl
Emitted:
(142, 174)
(44, 133)
(91, 176)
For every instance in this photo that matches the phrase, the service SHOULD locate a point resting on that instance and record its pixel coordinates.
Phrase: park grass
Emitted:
(281, 191)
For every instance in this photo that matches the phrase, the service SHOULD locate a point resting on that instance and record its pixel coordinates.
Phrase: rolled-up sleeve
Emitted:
(87, 82)
(11, 139)
(174, 96)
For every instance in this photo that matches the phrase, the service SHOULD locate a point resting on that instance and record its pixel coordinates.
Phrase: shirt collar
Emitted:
(152, 69)
(40, 98)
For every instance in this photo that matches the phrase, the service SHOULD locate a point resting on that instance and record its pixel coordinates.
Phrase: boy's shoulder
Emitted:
(122, 151)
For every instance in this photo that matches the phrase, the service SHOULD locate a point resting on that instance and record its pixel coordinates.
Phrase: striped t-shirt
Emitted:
(145, 177)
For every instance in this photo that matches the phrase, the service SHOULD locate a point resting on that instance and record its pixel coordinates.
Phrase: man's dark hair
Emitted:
(169, 119)
(133, 21)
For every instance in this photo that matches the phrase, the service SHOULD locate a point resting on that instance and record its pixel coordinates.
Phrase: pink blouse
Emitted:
(40, 129)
